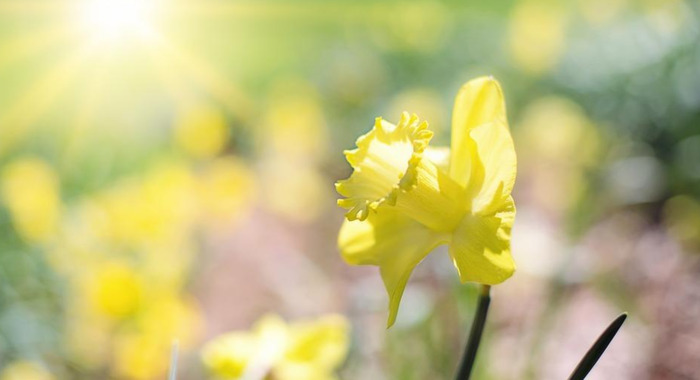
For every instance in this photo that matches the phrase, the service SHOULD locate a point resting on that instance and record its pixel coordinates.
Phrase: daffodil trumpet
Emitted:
(405, 197)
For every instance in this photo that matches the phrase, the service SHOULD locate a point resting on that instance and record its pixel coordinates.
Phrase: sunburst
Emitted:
(73, 53)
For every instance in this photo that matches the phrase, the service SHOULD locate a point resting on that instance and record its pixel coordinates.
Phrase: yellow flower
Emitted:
(117, 290)
(294, 125)
(228, 355)
(136, 212)
(139, 355)
(292, 188)
(170, 315)
(405, 198)
(247, 354)
(201, 131)
(30, 190)
(226, 189)
(315, 349)
(306, 350)
(537, 35)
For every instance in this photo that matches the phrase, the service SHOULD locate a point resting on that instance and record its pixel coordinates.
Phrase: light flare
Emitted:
(118, 21)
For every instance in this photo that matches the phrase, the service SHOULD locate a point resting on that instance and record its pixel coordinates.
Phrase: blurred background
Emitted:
(167, 170)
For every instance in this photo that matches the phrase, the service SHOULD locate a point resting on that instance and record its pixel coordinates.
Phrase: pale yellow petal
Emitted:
(321, 343)
(497, 167)
(272, 334)
(479, 102)
(229, 355)
(480, 247)
(392, 241)
(483, 157)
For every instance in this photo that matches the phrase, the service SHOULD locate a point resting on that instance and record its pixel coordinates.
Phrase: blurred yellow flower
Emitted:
(413, 26)
(293, 138)
(553, 127)
(294, 190)
(404, 198)
(169, 316)
(226, 189)
(24, 370)
(140, 356)
(294, 124)
(549, 130)
(140, 211)
(30, 191)
(682, 218)
(229, 355)
(601, 12)
(536, 35)
(88, 338)
(117, 290)
(201, 131)
(304, 350)
(315, 349)
(124, 216)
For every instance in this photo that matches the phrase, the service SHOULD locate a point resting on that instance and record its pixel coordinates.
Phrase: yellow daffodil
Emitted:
(307, 350)
(315, 349)
(225, 190)
(405, 198)
(229, 355)
(201, 131)
(139, 356)
(537, 35)
(116, 290)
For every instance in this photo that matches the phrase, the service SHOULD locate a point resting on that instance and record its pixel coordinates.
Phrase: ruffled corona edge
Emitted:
(384, 162)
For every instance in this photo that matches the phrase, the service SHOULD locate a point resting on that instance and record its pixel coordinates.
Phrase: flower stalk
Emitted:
(469, 356)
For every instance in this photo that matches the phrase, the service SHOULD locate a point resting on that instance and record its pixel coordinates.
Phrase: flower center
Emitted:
(433, 198)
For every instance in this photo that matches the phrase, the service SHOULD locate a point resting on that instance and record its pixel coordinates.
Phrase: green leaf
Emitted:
(596, 351)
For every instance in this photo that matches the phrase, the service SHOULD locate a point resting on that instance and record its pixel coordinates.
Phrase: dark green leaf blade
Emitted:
(596, 351)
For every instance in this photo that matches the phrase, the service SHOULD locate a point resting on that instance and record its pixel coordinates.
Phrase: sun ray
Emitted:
(210, 79)
(16, 7)
(169, 78)
(17, 120)
(31, 44)
(87, 109)
(321, 10)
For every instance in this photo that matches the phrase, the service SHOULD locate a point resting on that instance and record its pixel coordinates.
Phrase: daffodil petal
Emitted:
(321, 344)
(497, 167)
(391, 241)
(483, 157)
(478, 102)
(480, 247)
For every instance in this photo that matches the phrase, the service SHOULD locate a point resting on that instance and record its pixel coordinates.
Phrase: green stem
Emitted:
(465, 367)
